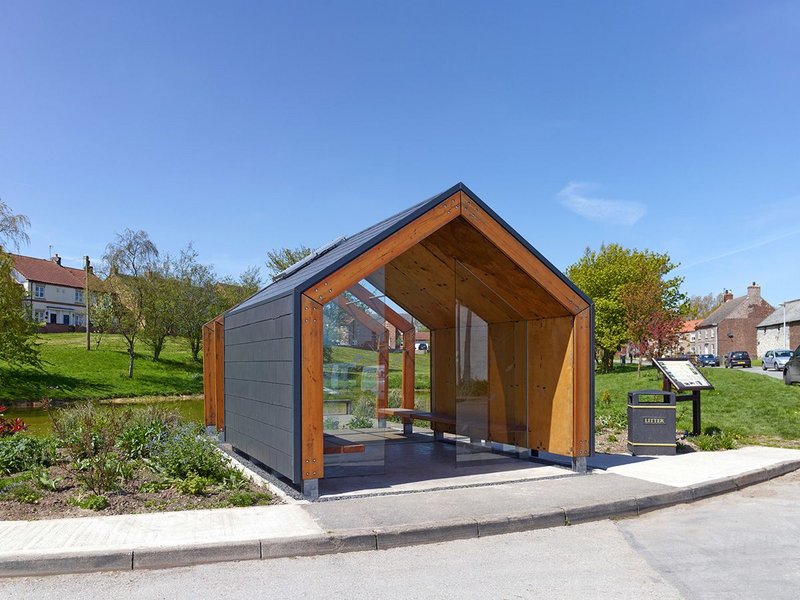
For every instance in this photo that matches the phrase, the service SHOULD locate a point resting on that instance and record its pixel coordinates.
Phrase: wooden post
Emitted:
(409, 364)
(311, 339)
(208, 375)
(219, 370)
(87, 269)
(382, 379)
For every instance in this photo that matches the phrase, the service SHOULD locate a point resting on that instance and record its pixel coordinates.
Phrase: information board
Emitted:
(682, 374)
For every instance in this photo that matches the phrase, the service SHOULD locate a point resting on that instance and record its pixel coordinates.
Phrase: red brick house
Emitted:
(732, 326)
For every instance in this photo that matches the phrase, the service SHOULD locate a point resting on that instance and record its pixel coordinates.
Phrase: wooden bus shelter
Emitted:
(263, 360)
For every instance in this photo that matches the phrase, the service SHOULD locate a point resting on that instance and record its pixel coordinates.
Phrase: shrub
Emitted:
(9, 427)
(359, 422)
(244, 498)
(188, 451)
(605, 398)
(23, 452)
(194, 485)
(89, 433)
(147, 431)
(89, 502)
(87, 429)
(19, 489)
(715, 439)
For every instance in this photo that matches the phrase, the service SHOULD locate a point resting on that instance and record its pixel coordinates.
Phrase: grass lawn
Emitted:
(70, 372)
(422, 367)
(754, 407)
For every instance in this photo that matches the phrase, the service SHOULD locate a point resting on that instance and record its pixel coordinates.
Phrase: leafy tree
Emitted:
(280, 259)
(652, 315)
(229, 292)
(195, 297)
(608, 274)
(102, 310)
(17, 331)
(159, 306)
(128, 259)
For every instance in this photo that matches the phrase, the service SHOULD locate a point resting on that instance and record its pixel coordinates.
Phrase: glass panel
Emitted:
(491, 375)
(355, 380)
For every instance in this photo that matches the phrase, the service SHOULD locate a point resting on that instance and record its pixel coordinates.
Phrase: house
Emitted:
(781, 329)
(686, 337)
(55, 293)
(732, 326)
(510, 363)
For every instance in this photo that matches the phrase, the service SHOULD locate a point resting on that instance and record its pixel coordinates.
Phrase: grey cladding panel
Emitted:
(259, 383)
(281, 349)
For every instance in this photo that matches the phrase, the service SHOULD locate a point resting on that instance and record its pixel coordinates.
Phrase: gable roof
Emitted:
(689, 326)
(42, 270)
(777, 317)
(349, 248)
(723, 312)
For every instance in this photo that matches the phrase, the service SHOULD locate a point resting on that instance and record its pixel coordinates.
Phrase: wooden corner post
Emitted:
(582, 372)
(311, 340)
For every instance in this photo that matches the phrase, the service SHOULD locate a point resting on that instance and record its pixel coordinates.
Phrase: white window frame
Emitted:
(36, 289)
(78, 296)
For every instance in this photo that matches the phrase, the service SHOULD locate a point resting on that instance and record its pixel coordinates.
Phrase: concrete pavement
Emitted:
(738, 545)
(627, 487)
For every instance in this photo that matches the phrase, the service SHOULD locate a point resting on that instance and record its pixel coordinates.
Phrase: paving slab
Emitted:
(478, 502)
(156, 530)
(686, 470)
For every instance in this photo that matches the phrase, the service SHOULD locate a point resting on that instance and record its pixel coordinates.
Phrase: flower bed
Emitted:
(116, 461)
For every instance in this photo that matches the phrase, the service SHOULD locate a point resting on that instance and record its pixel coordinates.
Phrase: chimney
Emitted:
(56, 259)
(727, 296)
(754, 293)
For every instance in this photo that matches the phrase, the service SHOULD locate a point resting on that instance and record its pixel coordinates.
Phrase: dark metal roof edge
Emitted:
(233, 311)
(374, 241)
(474, 197)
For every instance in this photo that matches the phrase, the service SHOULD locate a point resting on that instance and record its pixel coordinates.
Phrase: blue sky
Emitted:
(245, 126)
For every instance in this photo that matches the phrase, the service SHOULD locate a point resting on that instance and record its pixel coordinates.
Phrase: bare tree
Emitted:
(12, 227)
(129, 258)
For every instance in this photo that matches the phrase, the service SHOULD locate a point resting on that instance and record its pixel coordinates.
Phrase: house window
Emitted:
(79, 319)
(38, 316)
(38, 291)
(712, 334)
(78, 296)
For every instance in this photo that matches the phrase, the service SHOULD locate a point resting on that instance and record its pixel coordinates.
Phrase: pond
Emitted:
(39, 422)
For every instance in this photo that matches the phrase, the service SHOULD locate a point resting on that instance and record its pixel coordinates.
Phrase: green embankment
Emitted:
(749, 405)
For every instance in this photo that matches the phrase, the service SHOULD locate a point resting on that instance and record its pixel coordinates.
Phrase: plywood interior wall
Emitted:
(443, 374)
(550, 385)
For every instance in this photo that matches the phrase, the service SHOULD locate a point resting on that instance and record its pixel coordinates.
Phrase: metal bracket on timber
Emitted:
(390, 248)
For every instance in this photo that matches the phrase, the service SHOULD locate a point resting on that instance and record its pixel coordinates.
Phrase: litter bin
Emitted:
(651, 422)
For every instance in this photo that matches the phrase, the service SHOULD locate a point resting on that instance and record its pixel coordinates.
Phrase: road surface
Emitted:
(740, 545)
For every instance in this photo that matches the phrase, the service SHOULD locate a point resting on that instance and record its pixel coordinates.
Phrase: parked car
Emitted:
(776, 359)
(791, 372)
(738, 358)
(707, 360)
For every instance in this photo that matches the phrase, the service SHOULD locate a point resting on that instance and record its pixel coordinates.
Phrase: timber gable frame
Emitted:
(321, 280)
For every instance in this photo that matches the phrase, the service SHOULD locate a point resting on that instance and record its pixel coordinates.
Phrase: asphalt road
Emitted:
(741, 545)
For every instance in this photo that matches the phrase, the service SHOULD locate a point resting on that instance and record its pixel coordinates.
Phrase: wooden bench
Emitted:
(409, 415)
(333, 444)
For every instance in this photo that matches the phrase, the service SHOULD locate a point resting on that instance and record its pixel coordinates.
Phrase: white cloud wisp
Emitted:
(616, 212)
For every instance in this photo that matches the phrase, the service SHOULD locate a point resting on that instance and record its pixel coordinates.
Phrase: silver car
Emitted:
(776, 359)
